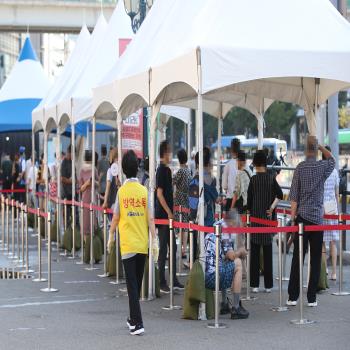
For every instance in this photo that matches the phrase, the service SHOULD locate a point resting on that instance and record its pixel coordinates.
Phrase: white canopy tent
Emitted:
(281, 50)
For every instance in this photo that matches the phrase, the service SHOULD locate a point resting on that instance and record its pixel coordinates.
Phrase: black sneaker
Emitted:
(178, 285)
(138, 330)
(224, 309)
(164, 288)
(239, 313)
(130, 324)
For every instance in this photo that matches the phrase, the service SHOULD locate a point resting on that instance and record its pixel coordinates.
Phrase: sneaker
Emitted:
(165, 289)
(255, 290)
(239, 313)
(291, 302)
(138, 330)
(314, 304)
(268, 290)
(178, 285)
(130, 325)
(224, 309)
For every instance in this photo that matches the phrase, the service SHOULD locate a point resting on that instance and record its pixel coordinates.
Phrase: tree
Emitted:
(344, 118)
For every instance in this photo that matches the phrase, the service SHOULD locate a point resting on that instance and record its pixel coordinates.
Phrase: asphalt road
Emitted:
(89, 313)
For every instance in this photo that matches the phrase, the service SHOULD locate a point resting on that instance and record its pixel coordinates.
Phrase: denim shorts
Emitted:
(226, 276)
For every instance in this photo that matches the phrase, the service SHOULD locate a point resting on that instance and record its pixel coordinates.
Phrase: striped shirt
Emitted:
(262, 191)
(308, 187)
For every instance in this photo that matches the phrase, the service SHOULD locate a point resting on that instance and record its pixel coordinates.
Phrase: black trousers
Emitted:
(228, 204)
(164, 243)
(255, 265)
(134, 268)
(315, 240)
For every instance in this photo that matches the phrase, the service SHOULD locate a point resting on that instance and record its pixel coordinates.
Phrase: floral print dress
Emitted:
(182, 180)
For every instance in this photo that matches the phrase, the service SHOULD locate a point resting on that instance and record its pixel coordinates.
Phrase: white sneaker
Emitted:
(312, 304)
(255, 290)
(291, 302)
(268, 290)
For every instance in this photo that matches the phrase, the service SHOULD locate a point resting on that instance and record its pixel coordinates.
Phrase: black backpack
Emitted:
(112, 195)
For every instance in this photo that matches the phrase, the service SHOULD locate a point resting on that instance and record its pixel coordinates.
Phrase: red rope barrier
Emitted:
(271, 223)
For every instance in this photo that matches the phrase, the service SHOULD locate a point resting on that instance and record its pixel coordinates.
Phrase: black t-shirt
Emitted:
(164, 181)
(66, 171)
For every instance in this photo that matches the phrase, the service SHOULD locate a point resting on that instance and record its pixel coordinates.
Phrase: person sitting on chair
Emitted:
(230, 267)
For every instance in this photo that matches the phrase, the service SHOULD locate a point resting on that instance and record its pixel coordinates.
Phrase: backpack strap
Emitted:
(246, 171)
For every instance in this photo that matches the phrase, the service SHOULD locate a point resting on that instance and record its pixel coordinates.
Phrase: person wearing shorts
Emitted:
(230, 267)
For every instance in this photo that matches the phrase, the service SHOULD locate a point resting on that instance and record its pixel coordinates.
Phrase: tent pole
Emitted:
(189, 127)
(152, 185)
(260, 119)
(202, 314)
(46, 172)
(218, 172)
(33, 164)
(73, 187)
(119, 129)
(58, 214)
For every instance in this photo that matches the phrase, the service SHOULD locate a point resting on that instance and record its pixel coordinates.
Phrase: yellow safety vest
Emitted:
(133, 223)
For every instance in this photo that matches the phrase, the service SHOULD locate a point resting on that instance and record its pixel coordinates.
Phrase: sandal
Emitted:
(333, 277)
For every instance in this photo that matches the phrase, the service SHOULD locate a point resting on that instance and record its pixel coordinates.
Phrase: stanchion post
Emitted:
(17, 231)
(39, 279)
(73, 230)
(64, 222)
(284, 262)
(180, 273)
(13, 228)
(2, 223)
(81, 262)
(171, 269)
(217, 324)
(22, 233)
(248, 296)
(117, 250)
(341, 292)
(280, 307)
(105, 273)
(302, 320)
(190, 232)
(8, 225)
(91, 240)
(49, 288)
(58, 229)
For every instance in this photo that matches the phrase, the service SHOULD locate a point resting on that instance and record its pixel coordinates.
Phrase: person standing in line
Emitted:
(134, 220)
(6, 173)
(66, 179)
(31, 185)
(16, 177)
(145, 177)
(112, 180)
(22, 174)
(181, 181)
(306, 195)
(164, 210)
(230, 173)
(263, 195)
(102, 168)
(330, 200)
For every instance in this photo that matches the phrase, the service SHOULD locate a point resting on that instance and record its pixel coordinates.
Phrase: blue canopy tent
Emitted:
(22, 91)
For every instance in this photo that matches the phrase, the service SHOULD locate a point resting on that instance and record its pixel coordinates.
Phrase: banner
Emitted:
(132, 133)
(132, 127)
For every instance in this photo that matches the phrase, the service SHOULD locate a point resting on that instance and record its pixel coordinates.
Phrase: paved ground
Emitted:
(89, 313)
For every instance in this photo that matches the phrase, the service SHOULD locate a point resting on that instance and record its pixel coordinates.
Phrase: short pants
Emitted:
(226, 276)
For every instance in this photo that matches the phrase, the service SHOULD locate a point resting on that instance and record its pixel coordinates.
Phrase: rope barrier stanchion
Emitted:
(143, 289)
(301, 320)
(49, 288)
(117, 252)
(171, 270)
(64, 222)
(81, 262)
(3, 222)
(13, 229)
(27, 270)
(248, 297)
(180, 273)
(341, 292)
(190, 232)
(72, 257)
(22, 260)
(8, 226)
(305, 285)
(91, 268)
(18, 233)
(105, 273)
(58, 229)
(280, 307)
(216, 324)
(40, 278)
(284, 276)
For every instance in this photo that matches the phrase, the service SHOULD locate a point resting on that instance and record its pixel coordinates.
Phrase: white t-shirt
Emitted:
(229, 177)
(30, 177)
(112, 171)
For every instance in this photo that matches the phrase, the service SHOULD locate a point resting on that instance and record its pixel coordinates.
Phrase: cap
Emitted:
(22, 149)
